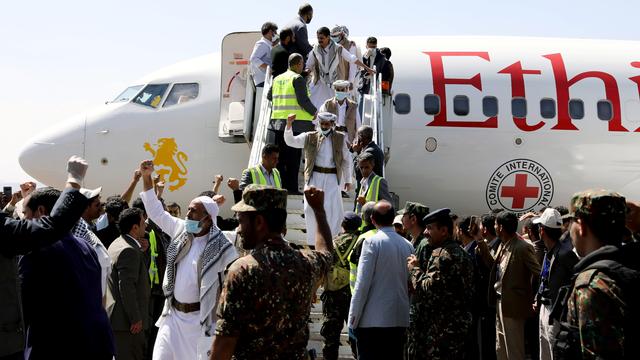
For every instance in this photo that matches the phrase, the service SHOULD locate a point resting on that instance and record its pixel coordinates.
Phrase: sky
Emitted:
(59, 58)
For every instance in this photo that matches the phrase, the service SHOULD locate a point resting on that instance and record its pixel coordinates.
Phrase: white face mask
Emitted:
(275, 38)
(102, 222)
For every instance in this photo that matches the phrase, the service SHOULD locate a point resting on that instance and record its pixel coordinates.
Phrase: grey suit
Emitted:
(302, 45)
(129, 288)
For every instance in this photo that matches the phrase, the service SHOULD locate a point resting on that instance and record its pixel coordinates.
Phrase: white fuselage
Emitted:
(478, 162)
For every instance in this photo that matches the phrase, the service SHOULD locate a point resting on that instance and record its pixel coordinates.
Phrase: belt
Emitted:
(341, 128)
(323, 170)
(185, 308)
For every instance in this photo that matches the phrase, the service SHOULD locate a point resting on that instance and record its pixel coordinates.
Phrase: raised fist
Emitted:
(76, 169)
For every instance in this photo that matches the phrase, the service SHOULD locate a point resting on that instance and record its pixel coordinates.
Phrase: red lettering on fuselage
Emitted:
(636, 79)
(562, 92)
(517, 90)
(439, 88)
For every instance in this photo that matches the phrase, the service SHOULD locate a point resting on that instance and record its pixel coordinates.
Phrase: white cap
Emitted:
(326, 116)
(90, 194)
(341, 84)
(550, 218)
(397, 220)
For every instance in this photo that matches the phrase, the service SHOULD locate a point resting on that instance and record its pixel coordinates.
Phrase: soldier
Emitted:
(442, 303)
(266, 299)
(599, 314)
(412, 216)
(337, 295)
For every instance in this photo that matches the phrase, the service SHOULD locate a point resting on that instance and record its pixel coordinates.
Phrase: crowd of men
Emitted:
(134, 278)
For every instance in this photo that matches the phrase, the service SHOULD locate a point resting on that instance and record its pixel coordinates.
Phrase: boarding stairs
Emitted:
(374, 110)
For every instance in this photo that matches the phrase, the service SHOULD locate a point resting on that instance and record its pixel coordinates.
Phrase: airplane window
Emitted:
(519, 107)
(490, 106)
(402, 104)
(151, 95)
(432, 104)
(461, 105)
(181, 93)
(548, 108)
(127, 94)
(605, 110)
(576, 109)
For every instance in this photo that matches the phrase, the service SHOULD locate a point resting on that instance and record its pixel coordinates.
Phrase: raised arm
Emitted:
(315, 199)
(23, 236)
(169, 224)
(128, 193)
(295, 141)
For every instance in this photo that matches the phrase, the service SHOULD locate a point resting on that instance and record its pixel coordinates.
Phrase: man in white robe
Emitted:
(327, 166)
(196, 259)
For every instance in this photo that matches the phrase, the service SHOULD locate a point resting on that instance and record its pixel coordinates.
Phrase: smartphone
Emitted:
(7, 191)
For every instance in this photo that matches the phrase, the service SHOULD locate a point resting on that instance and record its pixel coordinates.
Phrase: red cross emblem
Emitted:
(520, 192)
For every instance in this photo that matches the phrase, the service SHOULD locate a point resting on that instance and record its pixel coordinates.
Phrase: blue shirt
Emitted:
(261, 55)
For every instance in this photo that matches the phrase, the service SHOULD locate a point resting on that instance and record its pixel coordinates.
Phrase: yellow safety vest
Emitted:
(257, 177)
(153, 267)
(353, 267)
(373, 192)
(284, 98)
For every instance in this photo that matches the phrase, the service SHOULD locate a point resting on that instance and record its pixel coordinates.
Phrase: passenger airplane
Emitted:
(478, 123)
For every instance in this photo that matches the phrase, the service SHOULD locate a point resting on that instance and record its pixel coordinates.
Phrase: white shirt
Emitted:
(346, 55)
(261, 55)
(324, 157)
(364, 185)
(187, 289)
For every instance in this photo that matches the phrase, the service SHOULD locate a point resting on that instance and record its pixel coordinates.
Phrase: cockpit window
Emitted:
(127, 94)
(181, 93)
(151, 95)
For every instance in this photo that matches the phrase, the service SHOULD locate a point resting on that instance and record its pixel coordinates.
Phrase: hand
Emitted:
(146, 168)
(137, 175)
(15, 197)
(136, 327)
(362, 200)
(347, 187)
(219, 199)
(76, 169)
(315, 198)
(290, 119)
(370, 71)
(412, 262)
(218, 179)
(27, 188)
(233, 183)
(144, 244)
(160, 185)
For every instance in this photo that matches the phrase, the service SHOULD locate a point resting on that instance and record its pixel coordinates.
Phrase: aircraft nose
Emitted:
(44, 156)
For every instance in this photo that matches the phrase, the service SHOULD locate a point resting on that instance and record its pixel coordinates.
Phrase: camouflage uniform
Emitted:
(266, 297)
(596, 303)
(335, 304)
(442, 305)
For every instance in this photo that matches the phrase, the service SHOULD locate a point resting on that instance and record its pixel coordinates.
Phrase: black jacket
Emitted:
(21, 237)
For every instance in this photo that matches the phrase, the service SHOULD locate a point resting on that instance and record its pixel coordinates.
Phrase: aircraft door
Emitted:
(237, 92)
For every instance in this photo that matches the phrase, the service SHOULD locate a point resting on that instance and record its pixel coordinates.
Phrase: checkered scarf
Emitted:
(217, 244)
(81, 231)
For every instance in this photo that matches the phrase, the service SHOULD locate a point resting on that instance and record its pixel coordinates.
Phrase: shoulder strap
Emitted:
(342, 257)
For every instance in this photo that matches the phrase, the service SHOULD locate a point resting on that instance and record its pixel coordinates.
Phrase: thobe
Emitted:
(320, 90)
(178, 332)
(327, 182)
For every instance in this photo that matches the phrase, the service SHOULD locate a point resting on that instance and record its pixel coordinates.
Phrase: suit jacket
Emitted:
(129, 285)
(383, 192)
(279, 60)
(62, 297)
(377, 153)
(20, 237)
(522, 266)
(563, 259)
(299, 29)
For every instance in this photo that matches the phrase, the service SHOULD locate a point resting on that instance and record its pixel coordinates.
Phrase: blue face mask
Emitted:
(341, 95)
(325, 132)
(102, 222)
(336, 39)
(192, 226)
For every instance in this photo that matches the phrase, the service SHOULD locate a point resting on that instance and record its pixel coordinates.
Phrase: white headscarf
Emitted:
(210, 206)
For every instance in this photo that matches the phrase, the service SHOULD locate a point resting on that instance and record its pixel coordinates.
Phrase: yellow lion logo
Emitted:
(171, 162)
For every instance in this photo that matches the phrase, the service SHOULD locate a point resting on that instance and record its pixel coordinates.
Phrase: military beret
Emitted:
(414, 208)
(260, 198)
(351, 220)
(599, 204)
(440, 214)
